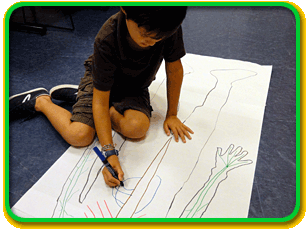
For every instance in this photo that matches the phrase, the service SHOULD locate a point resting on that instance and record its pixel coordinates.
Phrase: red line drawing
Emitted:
(108, 208)
(141, 216)
(91, 211)
(100, 209)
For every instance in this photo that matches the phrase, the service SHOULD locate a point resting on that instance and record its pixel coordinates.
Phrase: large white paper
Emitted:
(223, 102)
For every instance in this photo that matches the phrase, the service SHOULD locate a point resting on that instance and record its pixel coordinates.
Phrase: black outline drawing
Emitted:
(224, 163)
(217, 118)
(251, 74)
(68, 188)
(91, 180)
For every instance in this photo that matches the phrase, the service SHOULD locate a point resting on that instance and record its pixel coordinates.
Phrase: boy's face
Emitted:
(140, 36)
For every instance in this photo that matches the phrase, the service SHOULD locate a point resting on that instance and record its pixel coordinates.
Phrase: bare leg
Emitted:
(75, 133)
(133, 124)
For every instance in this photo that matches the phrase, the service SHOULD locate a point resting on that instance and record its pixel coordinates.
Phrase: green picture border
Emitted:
(131, 220)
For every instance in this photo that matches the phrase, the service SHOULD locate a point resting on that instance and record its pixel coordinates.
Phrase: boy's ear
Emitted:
(123, 10)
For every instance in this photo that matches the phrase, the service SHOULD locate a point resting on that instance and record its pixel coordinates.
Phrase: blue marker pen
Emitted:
(107, 164)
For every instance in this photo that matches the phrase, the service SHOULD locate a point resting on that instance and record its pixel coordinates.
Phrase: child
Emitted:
(113, 93)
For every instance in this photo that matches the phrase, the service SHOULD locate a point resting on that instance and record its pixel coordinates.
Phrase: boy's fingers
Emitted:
(181, 134)
(166, 129)
(116, 166)
(187, 134)
(189, 129)
(120, 173)
(175, 134)
(109, 179)
(121, 177)
(113, 182)
(178, 130)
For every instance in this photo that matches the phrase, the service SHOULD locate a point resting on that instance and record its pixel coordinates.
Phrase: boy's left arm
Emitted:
(174, 73)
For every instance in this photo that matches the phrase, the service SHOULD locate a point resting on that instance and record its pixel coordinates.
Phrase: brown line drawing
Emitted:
(149, 167)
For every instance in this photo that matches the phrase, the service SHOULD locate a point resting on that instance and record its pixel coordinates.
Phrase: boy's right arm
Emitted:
(101, 113)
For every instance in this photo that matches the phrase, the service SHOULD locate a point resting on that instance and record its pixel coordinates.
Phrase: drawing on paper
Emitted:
(94, 215)
(224, 79)
(121, 194)
(230, 160)
(136, 197)
(200, 176)
(69, 189)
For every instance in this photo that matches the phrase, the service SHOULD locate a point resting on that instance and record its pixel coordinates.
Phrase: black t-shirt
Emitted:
(119, 66)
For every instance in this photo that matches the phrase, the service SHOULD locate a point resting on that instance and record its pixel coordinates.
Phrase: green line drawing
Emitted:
(70, 187)
(230, 160)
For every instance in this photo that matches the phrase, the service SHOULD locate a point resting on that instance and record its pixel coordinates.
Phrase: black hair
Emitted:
(163, 21)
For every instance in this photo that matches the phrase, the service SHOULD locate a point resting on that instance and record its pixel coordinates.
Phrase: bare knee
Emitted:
(82, 136)
(135, 128)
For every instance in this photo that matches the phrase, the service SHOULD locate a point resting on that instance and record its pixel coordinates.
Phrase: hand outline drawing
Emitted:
(225, 162)
(232, 157)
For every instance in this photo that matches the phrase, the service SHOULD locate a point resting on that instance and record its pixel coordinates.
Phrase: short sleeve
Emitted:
(174, 47)
(104, 67)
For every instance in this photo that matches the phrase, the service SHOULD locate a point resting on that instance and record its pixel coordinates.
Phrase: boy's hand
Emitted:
(172, 123)
(108, 178)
